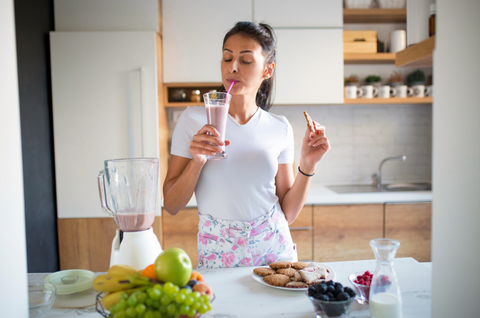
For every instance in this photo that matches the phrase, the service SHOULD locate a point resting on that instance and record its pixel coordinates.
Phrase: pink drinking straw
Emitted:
(231, 85)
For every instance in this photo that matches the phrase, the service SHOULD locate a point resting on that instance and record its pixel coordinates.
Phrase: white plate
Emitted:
(258, 278)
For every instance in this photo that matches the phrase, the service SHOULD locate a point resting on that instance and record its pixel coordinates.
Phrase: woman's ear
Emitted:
(269, 70)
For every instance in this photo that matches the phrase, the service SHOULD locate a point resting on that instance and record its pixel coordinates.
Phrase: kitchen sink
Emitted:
(393, 187)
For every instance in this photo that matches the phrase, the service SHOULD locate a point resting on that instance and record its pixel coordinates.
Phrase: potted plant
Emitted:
(373, 80)
(396, 79)
(416, 78)
(352, 80)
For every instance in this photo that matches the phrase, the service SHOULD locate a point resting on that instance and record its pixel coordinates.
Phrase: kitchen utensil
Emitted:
(420, 90)
(352, 92)
(327, 309)
(369, 91)
(403, 91)
(231, 85)
(41, 297)
(132, 192)
(362, 291)
(216, 106)
(386, 91)
(398, 40)
(71, 281)
(385, 299)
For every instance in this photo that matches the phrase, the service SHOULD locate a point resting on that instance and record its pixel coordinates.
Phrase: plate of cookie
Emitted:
(292, 275)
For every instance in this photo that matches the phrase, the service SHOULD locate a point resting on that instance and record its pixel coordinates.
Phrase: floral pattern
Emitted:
(223, 243)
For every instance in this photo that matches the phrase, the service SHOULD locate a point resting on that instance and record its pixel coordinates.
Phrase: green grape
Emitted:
(165, 300)
(180, 298)
(141, 297)
(184, 291)
(149, 314)
(176, 288)
(192, 312)
(162, 310)
(204, 299)
(155, 294)
(123, 296)
(141, 308)
(156, 314)
(168, 286)
(156, 304)
(189, 301)
(122, 304)
(171, 309)
(209, 307)
(197, 305)
(149, 302)
(120, 314)
(113, 309)
(196, 295)
(131, 312)
(203, 309)
(184, 309)
(132, 301)
(158, 286)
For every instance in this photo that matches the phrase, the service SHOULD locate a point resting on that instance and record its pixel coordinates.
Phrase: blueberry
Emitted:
(311, 291)
(321, 288)
(338, 290)
(192, 282)
(330, 295)
(330, 282)
(343, 296)
(338, 285)
(323, 297)
(350, 292)
(330, 289)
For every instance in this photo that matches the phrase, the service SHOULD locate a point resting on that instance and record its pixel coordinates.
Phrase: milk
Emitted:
(385, 305)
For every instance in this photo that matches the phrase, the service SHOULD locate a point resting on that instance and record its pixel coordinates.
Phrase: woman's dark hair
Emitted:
(263, 34)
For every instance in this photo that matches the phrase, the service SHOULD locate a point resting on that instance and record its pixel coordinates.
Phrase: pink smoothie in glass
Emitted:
(132, 222)
(217, 117)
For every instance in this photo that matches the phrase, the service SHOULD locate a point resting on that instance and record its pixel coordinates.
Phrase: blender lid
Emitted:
(71, 281)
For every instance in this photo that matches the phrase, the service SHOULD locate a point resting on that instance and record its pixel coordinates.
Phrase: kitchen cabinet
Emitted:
(299, 13)
(309, 66)
(193, 34)
(343, 232)
(411, 224)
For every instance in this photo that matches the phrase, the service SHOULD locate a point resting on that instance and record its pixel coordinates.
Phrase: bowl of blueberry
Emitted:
(331, 299)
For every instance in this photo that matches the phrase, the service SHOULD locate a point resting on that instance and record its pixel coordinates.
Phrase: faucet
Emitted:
(377, 177)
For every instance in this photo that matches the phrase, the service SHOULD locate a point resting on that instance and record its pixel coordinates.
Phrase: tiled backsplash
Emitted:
(362, 135)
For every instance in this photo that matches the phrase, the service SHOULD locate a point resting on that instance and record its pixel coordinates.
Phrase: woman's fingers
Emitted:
(208, 139)
(208, 129)
(204, 146)
(320, 141)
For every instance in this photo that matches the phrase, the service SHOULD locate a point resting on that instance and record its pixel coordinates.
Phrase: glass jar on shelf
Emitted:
(195, 96)
(179, 95)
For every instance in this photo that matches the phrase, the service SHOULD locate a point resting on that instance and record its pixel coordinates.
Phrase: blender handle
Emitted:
(103, 193)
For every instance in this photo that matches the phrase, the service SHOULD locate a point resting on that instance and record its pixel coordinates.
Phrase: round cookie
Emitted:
(287, 271)
(264, 271)
(299, 265)
(277, 280)
(278, 265)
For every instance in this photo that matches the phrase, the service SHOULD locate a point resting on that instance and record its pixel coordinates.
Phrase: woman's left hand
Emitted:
(314, 147)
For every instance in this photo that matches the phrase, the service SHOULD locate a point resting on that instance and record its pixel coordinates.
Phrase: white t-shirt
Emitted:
(241, 187)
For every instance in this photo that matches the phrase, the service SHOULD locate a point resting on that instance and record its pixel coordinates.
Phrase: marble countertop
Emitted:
(322, 195)
(238, 294)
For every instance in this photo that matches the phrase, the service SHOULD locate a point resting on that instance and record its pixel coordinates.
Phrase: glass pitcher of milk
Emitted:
(385, 298)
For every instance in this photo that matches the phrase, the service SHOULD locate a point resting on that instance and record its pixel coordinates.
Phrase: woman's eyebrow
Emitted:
(241, 52)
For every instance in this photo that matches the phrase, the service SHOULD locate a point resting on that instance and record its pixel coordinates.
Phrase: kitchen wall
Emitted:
(361, 136)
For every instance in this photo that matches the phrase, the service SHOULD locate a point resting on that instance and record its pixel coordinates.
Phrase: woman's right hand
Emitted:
(206, 143)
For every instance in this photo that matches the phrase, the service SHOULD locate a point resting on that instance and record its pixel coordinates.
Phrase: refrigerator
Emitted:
(105, 106)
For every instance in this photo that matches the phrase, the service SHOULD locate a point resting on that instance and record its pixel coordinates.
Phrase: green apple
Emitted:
(173, 265)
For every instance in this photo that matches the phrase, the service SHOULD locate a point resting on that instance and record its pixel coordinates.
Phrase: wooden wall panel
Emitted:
(411, 224)
(343, 232)
(302, 233)
(181, 231)
(87, 243)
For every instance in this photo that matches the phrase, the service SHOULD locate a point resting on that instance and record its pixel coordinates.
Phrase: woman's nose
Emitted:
(233, 66)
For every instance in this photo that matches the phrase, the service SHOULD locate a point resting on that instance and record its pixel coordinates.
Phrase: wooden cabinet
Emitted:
(181, 231)
(411, 224)
(309, 66)
(299, 13)
(302, 233)
(343, 232)
(193, 34)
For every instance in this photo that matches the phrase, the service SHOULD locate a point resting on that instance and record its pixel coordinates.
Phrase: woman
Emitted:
(246, 201)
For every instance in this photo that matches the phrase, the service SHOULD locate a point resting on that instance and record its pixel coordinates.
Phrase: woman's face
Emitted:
(244, 63)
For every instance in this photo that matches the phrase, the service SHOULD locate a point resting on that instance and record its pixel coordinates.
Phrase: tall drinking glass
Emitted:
(217, 105)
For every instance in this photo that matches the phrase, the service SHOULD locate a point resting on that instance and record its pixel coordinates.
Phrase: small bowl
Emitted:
(330, 309)
(363, 291)
(41, 297)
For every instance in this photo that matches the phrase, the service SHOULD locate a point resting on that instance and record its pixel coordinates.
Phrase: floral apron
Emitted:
(224, 243)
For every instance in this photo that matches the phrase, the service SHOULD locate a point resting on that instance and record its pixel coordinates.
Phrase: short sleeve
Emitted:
(182, 136)
(287, 154)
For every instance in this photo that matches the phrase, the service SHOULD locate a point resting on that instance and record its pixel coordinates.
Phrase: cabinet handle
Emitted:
(301, 228)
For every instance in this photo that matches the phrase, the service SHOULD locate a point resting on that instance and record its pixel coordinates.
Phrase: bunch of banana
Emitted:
(119, 279)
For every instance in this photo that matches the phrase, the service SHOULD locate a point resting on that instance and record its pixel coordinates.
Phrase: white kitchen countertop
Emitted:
(237, 294)
(321, 195)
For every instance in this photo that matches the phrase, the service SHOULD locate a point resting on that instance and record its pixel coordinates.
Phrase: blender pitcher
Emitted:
(131, 199)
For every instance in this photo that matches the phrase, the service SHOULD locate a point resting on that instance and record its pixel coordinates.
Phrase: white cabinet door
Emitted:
(105, 106)
(106, 15)
(193, 34)
(309, 66)
(299, 13)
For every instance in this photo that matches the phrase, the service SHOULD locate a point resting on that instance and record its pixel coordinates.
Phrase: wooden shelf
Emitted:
(374, 15)
(394, 100)
(417, 55)
(369, 58)
(203, 87)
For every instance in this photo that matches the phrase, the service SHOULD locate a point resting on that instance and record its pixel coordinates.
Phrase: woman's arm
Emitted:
(292, 191)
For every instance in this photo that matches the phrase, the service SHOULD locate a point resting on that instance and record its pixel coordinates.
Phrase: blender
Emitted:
(132, 197)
